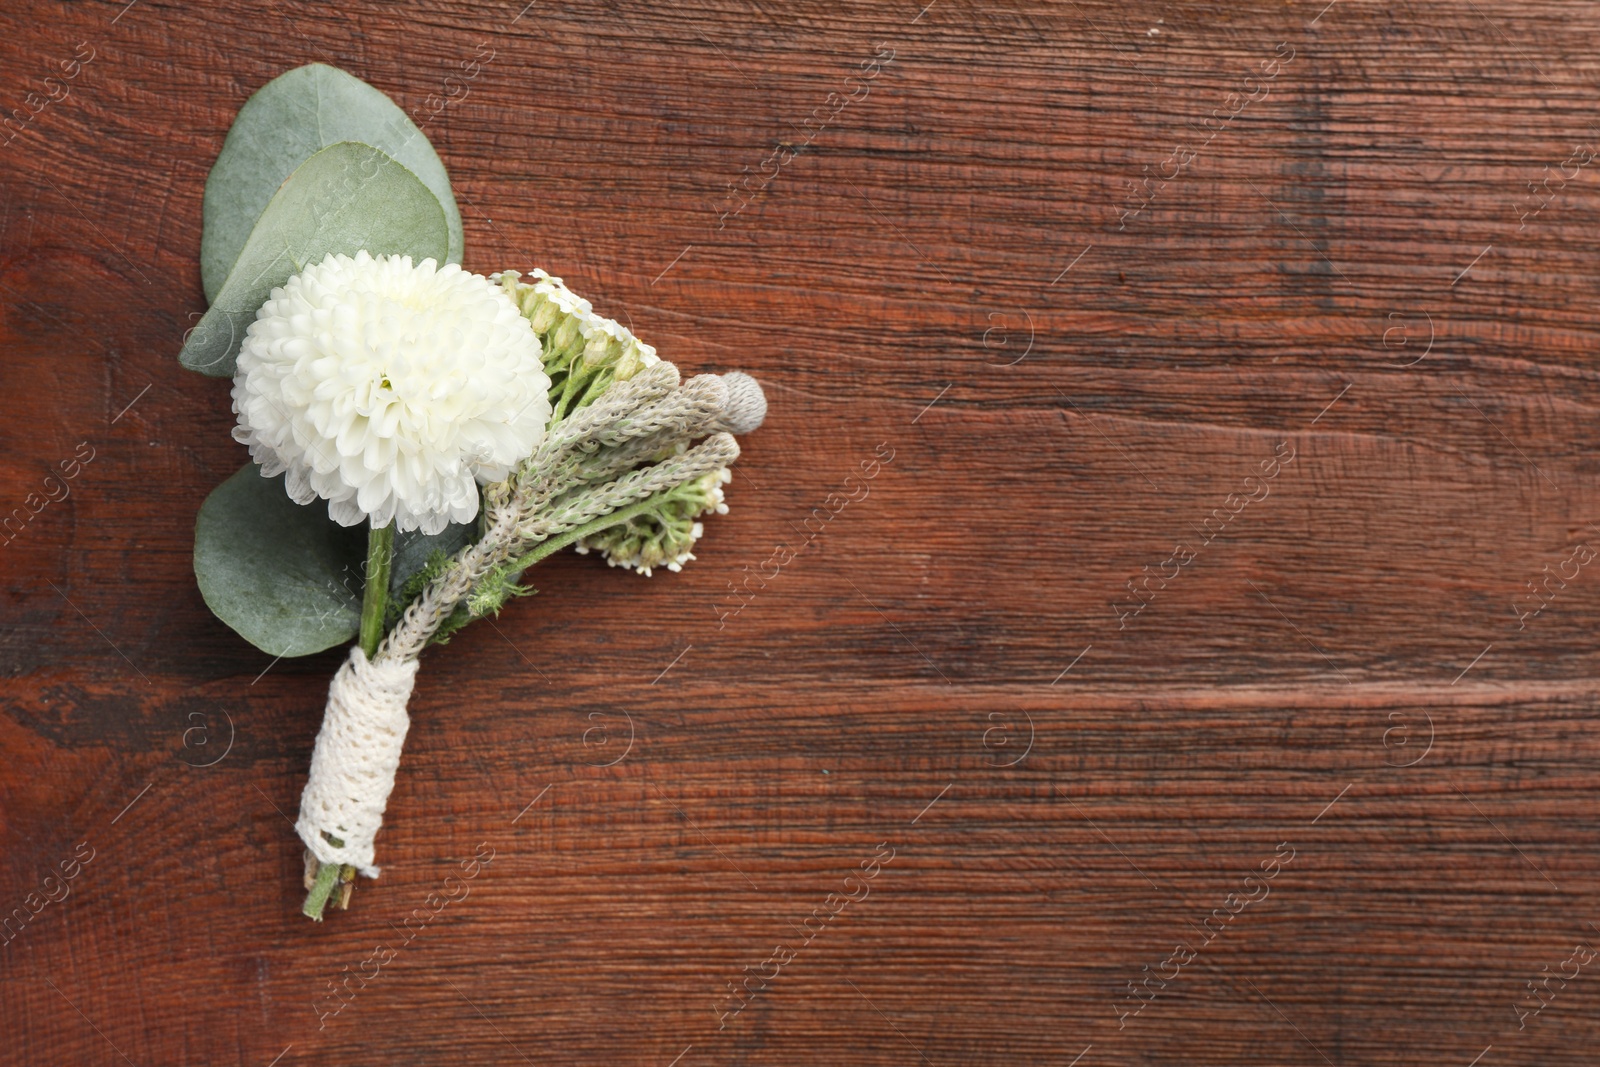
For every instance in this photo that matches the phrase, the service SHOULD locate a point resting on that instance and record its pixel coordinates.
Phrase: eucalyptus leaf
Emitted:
(285, 123)
(346, 198)
(284, 576)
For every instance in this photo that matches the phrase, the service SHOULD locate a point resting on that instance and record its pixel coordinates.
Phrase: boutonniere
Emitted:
(473, 425)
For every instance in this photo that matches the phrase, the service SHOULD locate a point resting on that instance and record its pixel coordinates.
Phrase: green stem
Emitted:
(569, 390)
(374, 604)
(600, 383)
(317, 898)
(604, 522)
(375, 599)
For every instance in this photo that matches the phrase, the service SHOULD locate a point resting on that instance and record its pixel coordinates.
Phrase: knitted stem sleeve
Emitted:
(354, 762)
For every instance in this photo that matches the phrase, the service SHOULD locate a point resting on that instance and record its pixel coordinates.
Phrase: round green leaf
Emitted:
(285, 123)
(346, 198)
(285, 576)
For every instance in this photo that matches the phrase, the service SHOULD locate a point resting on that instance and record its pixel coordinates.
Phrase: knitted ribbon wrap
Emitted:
(354, 762)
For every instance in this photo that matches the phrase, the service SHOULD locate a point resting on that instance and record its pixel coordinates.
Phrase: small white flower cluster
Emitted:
(666, 536)
(389, 389)
(546, 284)
(590, 326)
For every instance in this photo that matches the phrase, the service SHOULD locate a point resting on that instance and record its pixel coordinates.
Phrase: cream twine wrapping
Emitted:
(353, 765)
(364, 724)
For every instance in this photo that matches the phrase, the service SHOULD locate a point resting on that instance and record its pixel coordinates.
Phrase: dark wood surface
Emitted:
(1348, 272)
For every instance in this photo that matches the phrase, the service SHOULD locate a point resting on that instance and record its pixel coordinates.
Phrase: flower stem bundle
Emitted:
(635, 448)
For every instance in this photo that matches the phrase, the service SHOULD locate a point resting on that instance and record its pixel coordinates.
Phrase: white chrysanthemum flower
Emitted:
(389, 389)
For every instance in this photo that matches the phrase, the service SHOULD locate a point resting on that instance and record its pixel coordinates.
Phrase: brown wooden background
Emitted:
(1344, 270)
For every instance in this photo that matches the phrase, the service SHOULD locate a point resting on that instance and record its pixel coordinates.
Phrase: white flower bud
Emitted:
(747, 404)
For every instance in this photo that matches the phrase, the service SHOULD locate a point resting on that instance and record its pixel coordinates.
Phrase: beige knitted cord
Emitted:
(353, 765)
(562, 487)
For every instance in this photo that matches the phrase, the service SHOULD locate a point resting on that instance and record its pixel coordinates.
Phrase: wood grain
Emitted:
(1073, 776)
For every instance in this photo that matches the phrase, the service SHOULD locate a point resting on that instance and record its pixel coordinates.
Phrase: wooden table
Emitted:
(1204, 674)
